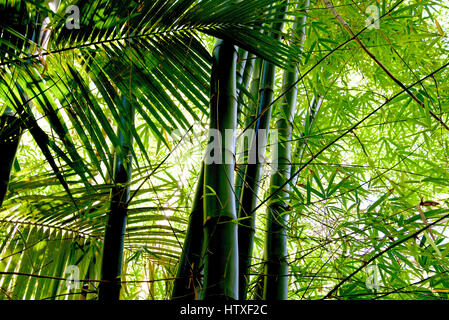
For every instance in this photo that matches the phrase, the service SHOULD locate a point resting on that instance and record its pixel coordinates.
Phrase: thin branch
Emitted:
(346, 26)
(346, 132)
(395, 244)
(312, 68)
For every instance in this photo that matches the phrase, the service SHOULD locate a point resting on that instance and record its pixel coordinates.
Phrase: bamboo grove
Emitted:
(224, 150)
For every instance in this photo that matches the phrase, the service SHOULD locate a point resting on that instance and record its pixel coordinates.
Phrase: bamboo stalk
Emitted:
(250, 114)
(276, 265)
(220, 249)
(244, 70)
(244, 182)
(188, 277)
(109, 290)
(10, 133)
(250, 188)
